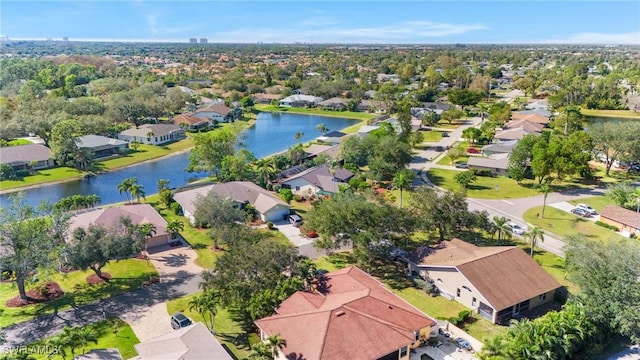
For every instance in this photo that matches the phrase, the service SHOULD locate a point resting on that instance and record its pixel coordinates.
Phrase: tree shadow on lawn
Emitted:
(239, 340)
(391, 274)
(436, 179)
(478, 187)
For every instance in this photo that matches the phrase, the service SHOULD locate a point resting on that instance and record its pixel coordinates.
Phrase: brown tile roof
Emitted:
(621, 215)
(217, 108)
(530, 117)
(504, 275)
(108, 217)
(357, 318)
(24, 153)
(525, 124)
(267, 96)
(188, 119)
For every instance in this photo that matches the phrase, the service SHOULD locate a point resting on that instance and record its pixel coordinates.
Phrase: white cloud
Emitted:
(598, 38)
(405, 32)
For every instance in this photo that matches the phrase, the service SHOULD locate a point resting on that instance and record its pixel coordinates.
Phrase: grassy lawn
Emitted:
(111, 333)
(563, 224)
(611, 113)
(127, 275)
(499, 187)
(144, 153)
(596, 202)
(43, 176)
(18, 142)
(228, 331)
(432, 136)
(317, 111)
(446, 160)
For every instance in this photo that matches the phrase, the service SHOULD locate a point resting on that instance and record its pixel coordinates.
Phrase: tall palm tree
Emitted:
(137, 191)
(501, 226)
(125, 186)
(298, 135)
(482, 108)
(265, 169)
(276, 344)
(533, 235)
(322, 128)
(545, 189)
(206, 304)
(85, 336)
(174, 227)
(402, 180)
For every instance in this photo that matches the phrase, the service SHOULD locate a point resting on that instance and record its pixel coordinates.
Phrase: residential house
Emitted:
(347, 314)
(497, 164)
(216, 113)
(627, 221)
(191, 122)
(100, 354)
(497, 282)
(525, 124)
(194, 342)
(544, 112)
(333, 137)
(436, 106)
(369, 94)
(315, 150)
(102, 146)
(153, 134)
(268, 206)
(318, 180)
(334, 103)
(300, 100)
(25, 157)
(365, 130)
(531, 116)
(263, 98)
(109, 217)
(505, 147)
(514, 134)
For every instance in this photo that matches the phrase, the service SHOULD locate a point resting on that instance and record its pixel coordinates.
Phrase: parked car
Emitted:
(438, 148)
(587, 208)
(580, 212)
(179, 320)
(445, 134)
(462, 165)
(516, 229)
(295, 220)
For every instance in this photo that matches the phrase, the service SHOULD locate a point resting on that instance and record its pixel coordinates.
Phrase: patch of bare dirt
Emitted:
(94, 279)
(43, 293)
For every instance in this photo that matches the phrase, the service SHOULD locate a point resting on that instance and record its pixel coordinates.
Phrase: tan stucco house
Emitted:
(627, 221)
(497, 282)
(354, 318)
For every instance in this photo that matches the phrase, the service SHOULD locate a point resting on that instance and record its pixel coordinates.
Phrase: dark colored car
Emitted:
(438, 148)
(580, 212)
(445, 134)
(178, 321)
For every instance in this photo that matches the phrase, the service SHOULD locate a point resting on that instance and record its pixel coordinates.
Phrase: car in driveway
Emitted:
(462, 165)
(179, 320)
(580, 212)
(587, 208)
(516, 229)
(295, 220)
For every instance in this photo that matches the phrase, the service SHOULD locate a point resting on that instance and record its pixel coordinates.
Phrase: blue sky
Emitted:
(402, 22)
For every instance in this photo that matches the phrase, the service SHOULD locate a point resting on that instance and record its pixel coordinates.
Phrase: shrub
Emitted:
(270, 226)
(607, 226)
(176, 208)
(484, 172)
(286, 195)
(22, 173)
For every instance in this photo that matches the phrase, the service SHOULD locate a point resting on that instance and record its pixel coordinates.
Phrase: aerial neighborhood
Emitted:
(273, 201)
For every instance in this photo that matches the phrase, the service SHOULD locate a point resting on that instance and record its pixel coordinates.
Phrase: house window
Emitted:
(542, 297)
(403, 351)
(297, 188)
(458, 292)
(466, 288)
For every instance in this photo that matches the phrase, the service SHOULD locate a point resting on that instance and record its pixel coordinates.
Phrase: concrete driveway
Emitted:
(565, 206)
(293, 234)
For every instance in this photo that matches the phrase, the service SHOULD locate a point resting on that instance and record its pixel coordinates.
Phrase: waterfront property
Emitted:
(191, 122)
(138, 213)
(26, 157)
(497, 282)
(102, 146)
(347, 314)
(268, 206)
(300, 100)
(318, 180)
(153, 134)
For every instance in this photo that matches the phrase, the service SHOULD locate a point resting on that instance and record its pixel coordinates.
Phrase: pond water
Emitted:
(272, 133)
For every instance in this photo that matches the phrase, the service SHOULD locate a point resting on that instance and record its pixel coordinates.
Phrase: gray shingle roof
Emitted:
(24, 153)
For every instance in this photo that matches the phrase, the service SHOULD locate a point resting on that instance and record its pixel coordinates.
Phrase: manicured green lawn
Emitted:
(596, 202)
(43, 176)
(110, 333)
(446, 160)
(317, 111)
(564, 223)
(432, 136)
(499, 187)
(127, 275)
(227, 331)
(144, 153)
(611, 113)
(18, 142)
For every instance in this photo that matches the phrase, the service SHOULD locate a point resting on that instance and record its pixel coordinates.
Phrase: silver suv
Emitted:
(178, 321)
(587, 208)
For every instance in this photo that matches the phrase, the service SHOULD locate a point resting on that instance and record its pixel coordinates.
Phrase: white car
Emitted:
(587, 208)
(516, 229)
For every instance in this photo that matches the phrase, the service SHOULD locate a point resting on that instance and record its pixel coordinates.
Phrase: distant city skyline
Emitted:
(368, 22)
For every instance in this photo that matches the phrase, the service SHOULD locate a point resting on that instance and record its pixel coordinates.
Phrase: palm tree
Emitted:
(545, 189)
(206, 304)
(69, 337)
(58, 345)
(125, 186)
(276, 343)
(137, 191)
(298, 135)
(501, 226)
(533, 235)
(322, 128)
(402, 180)
(174, 227)
(85, 336)
(482, 108)
(265, 169)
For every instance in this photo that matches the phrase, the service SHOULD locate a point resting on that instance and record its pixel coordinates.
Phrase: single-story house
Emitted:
(300, 100)
(436, 106)
(190, 121)
(153, 134)
(100, 354)
(497, 282)
(627, 221)
(505, 147)
(333, 137)
(314, 150)
(496, 163)
(542, 105)
(102, 146)
(109, 217)
(352, 316)
(514, 134)
(262, 98)
(365, 130)
(216, 112)
(334, 103)
(530, 115)
(369, 94)
(317, 180)
(193, 342)
(32, 156)
(525, 124)
(269, 207)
